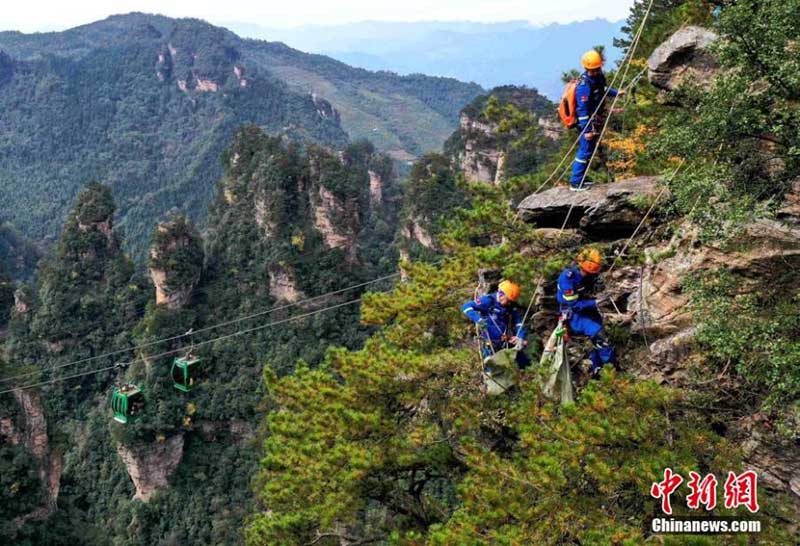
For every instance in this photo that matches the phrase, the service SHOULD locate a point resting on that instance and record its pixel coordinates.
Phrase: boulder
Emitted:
(607, 211)
(686, 54)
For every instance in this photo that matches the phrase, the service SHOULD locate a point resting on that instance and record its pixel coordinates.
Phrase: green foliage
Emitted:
(89, 301)
(18, 255)
(754, 333)
(410, 453)
(740, 135)
(177, 250)
(6, 296)
(583, 470)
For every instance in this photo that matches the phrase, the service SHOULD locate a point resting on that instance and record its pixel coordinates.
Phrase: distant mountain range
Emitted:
(514, 52)
(147, 104)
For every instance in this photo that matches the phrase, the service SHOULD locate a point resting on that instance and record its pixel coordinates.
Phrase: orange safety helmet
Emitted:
(510, 289)
(590, 261)
(592, 60)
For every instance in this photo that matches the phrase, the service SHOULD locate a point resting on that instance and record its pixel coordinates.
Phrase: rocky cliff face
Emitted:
(480, 161)
(32, 433)
(337, 221)
(150, 465)
(375, 188)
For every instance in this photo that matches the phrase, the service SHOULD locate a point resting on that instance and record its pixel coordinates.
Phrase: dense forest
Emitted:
(339, 396)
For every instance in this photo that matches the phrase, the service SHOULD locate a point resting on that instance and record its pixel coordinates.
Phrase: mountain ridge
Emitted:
(491, 54)
(147, 104)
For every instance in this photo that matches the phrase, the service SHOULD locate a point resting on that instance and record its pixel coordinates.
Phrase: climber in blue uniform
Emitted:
(499, 321)
(580, 313)
(589, 95)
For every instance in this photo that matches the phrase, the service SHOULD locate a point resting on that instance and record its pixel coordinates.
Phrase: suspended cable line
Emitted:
(174, 351)
(205, 329)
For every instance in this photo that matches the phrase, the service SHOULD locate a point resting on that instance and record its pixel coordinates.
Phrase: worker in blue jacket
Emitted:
(589, 96)
(499, 321)
(580, 312)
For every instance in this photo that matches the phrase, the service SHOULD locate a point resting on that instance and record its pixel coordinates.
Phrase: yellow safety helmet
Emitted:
(510, 289)
(592, 60)
(590, 261)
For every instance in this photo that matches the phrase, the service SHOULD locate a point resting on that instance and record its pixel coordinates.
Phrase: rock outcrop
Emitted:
(325, 109)
(150, 465)
(483, 151)
(176, 261)
(480, 160)
(22, 301)
(606, 211)
(650, 299)
(776, 462)
(789, 210)
(551, 128)
(283, 285)
(375, 188)
(685, 55)
(33, 435)
(337, 222)
(413, 230)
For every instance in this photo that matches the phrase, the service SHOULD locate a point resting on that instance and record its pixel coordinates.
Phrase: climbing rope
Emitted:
(627, 62)
(646, 216)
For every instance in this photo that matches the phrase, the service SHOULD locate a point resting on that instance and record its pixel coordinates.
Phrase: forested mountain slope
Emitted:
(147, 104)
(287, 225)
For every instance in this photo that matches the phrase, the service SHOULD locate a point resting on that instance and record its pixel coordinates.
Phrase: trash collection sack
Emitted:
(554, 365)
(499, 371)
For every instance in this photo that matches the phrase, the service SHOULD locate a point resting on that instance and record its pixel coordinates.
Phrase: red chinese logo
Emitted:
(742, 490)
(663, 489)
(703, 491)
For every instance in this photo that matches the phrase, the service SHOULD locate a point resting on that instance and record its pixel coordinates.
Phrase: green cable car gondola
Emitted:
(184, 372)
(127, 401)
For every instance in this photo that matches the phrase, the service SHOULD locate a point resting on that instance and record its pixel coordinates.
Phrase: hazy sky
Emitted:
(42, 15)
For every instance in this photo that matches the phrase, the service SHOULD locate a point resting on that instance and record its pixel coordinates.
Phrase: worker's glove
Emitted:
(482, 325)
(519, 343)
(566, 314)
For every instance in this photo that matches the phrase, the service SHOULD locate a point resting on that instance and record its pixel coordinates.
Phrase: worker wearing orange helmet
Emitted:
(580, 311)
(589, 95)
(499, 320)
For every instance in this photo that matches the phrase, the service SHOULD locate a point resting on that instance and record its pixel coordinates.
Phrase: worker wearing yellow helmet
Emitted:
(499, 320)
(579, 310)
(589, 96)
